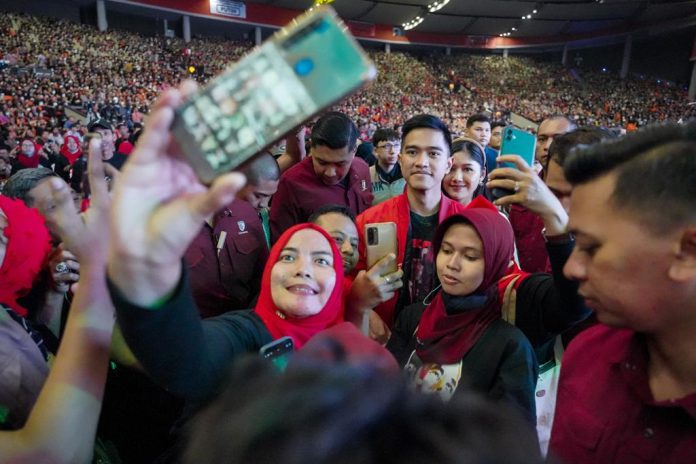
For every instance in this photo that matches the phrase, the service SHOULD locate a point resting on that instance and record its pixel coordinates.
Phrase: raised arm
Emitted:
(62, 425)
(159, 207)
(529, 191)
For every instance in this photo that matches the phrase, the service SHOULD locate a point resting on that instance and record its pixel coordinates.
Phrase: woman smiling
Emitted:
(301, 295)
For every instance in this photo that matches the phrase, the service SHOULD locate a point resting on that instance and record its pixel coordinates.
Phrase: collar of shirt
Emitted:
(630, 358)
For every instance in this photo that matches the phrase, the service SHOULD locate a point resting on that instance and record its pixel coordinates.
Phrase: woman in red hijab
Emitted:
(459, 340)
(301, 295)
(71, 150)
(28, 156)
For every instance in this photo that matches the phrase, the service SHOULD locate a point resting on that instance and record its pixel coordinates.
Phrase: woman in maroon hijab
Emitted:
(459, 340)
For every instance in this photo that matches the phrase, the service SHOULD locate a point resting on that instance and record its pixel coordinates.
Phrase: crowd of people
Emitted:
(118, 74)
(387, 285)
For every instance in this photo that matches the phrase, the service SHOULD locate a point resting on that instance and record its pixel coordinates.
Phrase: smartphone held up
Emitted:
(515, 142)
(301, 70)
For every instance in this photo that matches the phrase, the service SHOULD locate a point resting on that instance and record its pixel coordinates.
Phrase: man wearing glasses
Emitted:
(387, 181)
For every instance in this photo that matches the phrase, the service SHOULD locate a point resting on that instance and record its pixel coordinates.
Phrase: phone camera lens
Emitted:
(304, 66)
(372, 236)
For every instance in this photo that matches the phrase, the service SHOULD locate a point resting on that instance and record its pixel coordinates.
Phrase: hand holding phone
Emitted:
(381, 242)
(515, 142)
(303, 69)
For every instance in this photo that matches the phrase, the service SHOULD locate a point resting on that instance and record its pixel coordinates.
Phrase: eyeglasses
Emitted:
(389, 146)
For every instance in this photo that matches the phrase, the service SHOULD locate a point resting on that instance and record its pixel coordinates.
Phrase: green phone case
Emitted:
(304, 68)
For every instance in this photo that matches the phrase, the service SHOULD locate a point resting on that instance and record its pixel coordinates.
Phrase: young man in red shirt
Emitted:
(425, 158)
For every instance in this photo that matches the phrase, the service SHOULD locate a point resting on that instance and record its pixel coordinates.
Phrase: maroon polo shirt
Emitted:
(301, 192)
(605, 411)
(531, 246)
(231, 279)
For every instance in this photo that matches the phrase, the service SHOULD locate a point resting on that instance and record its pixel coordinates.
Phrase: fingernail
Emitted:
(57, 183)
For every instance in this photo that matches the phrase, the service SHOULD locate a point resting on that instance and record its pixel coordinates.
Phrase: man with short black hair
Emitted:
(478, 127)
(548, 129)
(633, 213)
(425, 158)
(330, 175)
(109, 153)
(339, 222)
(227, 256)
(496, 135)
(387, 181)
(123, 143)
(263, 176)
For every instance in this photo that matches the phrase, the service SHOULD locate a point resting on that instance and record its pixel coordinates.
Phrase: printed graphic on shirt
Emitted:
(431, 378)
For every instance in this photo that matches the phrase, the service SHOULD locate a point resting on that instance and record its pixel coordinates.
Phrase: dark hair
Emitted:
(478, 117)
(655, 171)
(334, 130)
(474, 149)
(426, 121)
(563, 144)
(327, 209)
(350, 413)
(498, 123)
(261, 167)
(384, 135)
(21, 182)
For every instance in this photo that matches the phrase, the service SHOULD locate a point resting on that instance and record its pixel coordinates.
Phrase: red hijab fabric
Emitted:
(71, 156)
(28, 246)
(29, 161)
(445, 337)
(300, 329)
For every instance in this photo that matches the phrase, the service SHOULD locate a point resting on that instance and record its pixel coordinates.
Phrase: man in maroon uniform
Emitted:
(627, 390)
(330, 175)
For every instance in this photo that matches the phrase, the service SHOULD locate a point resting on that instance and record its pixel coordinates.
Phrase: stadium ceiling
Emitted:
(516, 17)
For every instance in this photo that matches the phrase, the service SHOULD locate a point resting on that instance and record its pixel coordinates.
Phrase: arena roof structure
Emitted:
(495, 17)
(486, 24)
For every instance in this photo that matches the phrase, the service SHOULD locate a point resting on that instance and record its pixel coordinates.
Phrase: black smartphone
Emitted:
(301, 70)
(278, 352)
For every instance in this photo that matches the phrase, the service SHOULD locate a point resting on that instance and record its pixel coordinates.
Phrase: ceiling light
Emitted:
(534, 12)
(529, 16)
(412, 23)
(514, 28)
(437, 5)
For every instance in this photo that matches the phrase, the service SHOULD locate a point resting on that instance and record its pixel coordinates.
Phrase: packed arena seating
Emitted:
(452, 346)
(116, 74)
